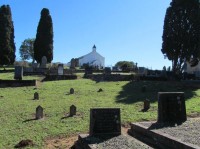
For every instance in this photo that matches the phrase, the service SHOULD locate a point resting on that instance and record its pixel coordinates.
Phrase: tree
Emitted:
(181, 33)
(26, 49)
(43, 45)
(125, 65)
(7, 45)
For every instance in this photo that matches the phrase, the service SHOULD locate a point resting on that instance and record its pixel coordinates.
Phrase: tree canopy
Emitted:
(181, 32)
(124, 65)
(43, 45)
(7, 45)
(26, 49)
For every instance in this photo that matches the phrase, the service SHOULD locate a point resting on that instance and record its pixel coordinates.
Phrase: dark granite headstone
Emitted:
(107, 70)
(146, 104)
(36, 96)
(72, 110)
(171, 107)
(105, 121)
(39, 112)
(18, 73)
(71, 91)
(72, 66)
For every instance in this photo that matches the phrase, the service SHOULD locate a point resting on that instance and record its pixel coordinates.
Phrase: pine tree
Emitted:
(43, 45)
(181, 33)
(7, 45)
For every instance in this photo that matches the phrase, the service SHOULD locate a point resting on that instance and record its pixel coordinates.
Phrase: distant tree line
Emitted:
(34, 48)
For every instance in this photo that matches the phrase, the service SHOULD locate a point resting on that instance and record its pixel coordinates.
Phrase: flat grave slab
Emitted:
(119, 142)
(168, 135)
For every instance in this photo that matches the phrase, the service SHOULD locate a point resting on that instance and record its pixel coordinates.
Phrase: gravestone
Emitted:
(39, 112)
(44, 62)
(72, 66)
(171, 107)
(36, 96)
(107, 70)
(105, 121)
(34, 65)
(72, 110)
(71, 91)
(60, 69)
(18, 73)
(146, 104)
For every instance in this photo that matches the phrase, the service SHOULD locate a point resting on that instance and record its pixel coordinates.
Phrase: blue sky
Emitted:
(121, 29)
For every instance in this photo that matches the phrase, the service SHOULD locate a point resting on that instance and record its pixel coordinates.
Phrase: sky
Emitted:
(122, 30)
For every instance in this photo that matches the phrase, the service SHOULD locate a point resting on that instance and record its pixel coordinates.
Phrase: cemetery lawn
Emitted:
(17, 107)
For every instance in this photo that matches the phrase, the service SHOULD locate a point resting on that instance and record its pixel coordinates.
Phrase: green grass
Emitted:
(17, 107)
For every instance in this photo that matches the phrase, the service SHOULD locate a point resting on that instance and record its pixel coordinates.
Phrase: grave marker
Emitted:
(60, 69)
(171, 107)
(44, 62)
(39, 112)
(72, 110)
(71, 91)
(18, 73)
(36, 96)
(105, 121)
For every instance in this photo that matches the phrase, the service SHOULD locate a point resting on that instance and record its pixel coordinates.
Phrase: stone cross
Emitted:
(72, 110)
(39, 112)
(36, 96)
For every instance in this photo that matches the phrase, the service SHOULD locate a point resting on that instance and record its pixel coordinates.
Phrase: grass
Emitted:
(17, 107)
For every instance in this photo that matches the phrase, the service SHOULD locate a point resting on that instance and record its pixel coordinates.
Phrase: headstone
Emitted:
(171, 107)
(44, 62)
(60, 69)
(105, 121)
(35, 65)
(88, 70)
(36, 96)
(107, 70)
(18, 73)
(72, 66)
(146, 104)
(39, 112)
(144, 88)
(72, 110)
(71, 91)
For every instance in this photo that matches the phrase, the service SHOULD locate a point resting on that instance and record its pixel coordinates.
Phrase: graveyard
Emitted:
(60, 110)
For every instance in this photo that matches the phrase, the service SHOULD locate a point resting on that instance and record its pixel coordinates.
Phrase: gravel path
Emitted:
(188, 132)
(121, 142)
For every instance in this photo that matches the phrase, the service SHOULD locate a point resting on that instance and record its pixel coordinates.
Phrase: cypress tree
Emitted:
(181, 32)
(43, 45)
(7, 45)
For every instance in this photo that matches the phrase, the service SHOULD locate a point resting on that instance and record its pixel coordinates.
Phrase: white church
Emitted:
(93, 59)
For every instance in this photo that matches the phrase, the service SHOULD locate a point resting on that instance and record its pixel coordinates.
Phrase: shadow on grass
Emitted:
(28, 120)
(134, 92)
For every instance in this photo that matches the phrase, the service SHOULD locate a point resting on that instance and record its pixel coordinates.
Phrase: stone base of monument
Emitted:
(148, 133)
(17, 83)
(59, 77)
(109, 142)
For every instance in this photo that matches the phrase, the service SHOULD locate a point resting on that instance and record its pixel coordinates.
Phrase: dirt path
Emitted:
(67, 142)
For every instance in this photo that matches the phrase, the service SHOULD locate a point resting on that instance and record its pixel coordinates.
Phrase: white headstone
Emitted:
(60, 69)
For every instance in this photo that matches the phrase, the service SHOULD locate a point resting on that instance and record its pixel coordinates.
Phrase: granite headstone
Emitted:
(105, 121)
(171, 107)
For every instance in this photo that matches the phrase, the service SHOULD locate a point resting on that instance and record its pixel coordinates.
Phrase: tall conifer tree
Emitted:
(7, 45)
(43, 45)
(181, 33)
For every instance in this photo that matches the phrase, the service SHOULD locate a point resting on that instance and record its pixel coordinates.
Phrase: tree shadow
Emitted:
(138, 91)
